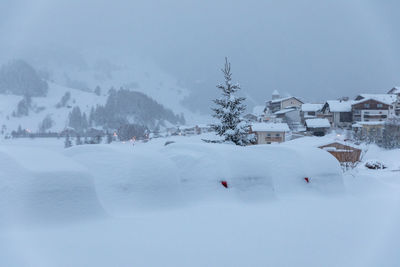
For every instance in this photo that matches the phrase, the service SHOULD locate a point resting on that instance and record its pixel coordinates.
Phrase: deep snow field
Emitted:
(154, 205)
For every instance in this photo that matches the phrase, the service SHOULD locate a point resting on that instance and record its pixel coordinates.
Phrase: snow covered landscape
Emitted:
(108, 205)
(199, 133)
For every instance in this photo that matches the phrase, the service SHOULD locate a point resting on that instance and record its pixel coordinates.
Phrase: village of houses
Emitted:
(283, 118)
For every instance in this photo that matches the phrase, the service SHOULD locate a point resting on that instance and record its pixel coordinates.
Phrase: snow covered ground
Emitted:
(156, 205)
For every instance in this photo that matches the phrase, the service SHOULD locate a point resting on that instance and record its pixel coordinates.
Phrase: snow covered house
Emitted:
(277, 103)
(318, 127)
(374, 107)
(338, 113)
(368, 128)
(290, 115)
(250, 117)
(310, 111)
(396, 91)
(268, 133)
(343, 152)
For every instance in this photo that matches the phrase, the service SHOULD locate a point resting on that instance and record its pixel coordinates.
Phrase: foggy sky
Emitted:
(313, 49)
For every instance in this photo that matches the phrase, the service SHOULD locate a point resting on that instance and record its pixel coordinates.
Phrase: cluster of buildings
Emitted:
(283, 117)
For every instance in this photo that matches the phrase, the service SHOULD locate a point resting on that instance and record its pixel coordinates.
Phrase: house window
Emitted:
(269, 135)
(311, 113)
(277, 135)
(366, 105)
(379, 105)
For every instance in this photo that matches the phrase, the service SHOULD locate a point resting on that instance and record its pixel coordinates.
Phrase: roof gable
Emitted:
(383, 98)
(284, 99)
(369, 99)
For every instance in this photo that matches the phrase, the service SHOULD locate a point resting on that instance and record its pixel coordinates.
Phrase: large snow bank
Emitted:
(83, 180)
(38, 184)
(128, 179)
(151, 176)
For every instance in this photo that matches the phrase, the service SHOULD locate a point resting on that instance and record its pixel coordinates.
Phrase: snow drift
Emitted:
(92, 180)
(154, 176)
(41, 185)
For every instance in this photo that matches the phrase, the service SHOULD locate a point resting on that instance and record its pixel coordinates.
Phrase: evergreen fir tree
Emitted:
(67, 142)
(109, 138)
(78, 140)
(229, 110)
(97, 90)
(97, 139)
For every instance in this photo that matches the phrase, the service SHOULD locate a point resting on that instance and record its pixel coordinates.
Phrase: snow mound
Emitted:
(44, 186)
(127, 180)
(262, 170)
(150, 176)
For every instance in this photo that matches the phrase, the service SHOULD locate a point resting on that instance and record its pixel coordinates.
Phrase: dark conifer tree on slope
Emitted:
(229, 110)
(67, 142)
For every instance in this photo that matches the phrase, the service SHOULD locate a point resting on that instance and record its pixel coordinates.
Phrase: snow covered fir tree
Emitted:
(229, 110)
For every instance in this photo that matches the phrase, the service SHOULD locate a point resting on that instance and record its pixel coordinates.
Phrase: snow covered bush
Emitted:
(229, 111)
(375, 165)
(391, 134)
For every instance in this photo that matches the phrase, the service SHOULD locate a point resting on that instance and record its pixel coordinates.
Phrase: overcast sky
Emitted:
(314, 49)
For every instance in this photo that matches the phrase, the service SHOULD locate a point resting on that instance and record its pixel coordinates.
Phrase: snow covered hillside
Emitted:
(81, 82)
(152, 205)
(85, 100)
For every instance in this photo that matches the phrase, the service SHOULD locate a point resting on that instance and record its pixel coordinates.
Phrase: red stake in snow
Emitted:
(224, 184)
(307, 180)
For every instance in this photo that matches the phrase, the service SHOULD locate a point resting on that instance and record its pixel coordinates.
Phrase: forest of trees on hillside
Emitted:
(122, 108)
(19, 78)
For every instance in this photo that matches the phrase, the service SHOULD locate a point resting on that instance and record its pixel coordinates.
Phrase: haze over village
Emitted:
(212, 133)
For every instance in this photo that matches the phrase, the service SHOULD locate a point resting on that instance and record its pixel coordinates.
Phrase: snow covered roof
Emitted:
(313, 141)
(318, 123)
(311, 107)
(270, 127)
(258, 110)
(283, 111)
(333, 146)
(339, 106)
(394, 90)
(280, 99)
(283, 99)
(384, 98)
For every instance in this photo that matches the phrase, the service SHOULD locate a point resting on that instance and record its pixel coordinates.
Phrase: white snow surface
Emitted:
(307, 107)
(340, 106)
(318, 123)
(270, 127)
(156, 205)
